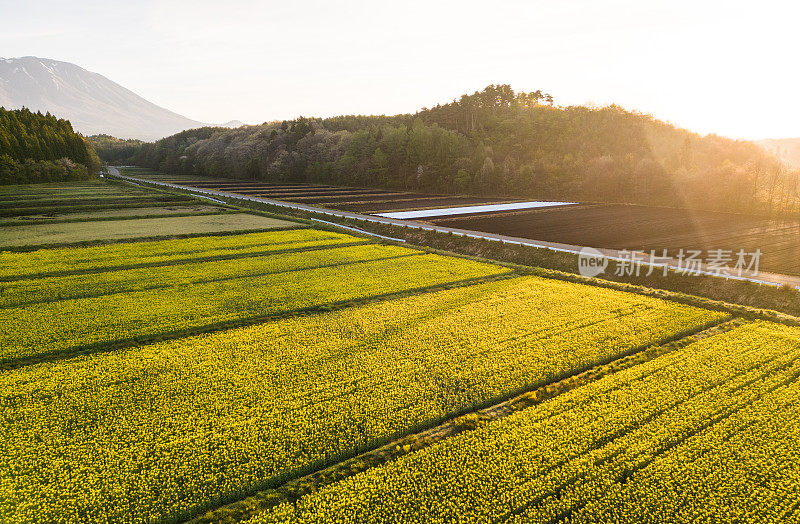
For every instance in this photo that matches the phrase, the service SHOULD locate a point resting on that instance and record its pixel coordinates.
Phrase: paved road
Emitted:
(773, 279)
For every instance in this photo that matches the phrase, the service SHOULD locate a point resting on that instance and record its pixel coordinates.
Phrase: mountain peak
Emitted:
(232, 124)
(91, 102)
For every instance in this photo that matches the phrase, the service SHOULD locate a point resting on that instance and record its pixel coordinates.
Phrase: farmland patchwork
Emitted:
(146, 380)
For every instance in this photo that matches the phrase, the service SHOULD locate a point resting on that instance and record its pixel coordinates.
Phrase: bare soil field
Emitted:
(617, 226)
(314, 195)
(403, 204)
(613, 226)
(356, 199)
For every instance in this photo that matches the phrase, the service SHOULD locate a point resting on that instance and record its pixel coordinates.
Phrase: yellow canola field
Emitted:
(165, 430)
(708, 433)
(14, 265)
(67, 325)
(47, 289)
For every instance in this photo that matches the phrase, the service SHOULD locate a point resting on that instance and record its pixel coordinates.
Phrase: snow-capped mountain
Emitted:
(93, 103)
(233, 124)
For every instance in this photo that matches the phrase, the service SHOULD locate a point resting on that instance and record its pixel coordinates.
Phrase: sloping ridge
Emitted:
(91, 102)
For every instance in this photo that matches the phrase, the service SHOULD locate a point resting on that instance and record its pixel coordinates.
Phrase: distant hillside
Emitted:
(42, 148)
(495, 142)
(787, 149)
(93, 103)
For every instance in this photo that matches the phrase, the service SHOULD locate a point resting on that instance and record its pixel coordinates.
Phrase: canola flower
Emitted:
(709, 432)
(23, 292)
(157, 432)
(111, 256)
(66, 325)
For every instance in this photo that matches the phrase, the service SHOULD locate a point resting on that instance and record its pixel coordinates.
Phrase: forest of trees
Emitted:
(114, 150)
(493, 142)
(42, 148)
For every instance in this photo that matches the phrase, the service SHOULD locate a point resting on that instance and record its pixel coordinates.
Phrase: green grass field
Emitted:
(21, 202)
(110, 214)
(88, 198)
(61, 188)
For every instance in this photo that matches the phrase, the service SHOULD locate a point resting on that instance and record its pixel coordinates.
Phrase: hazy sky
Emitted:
(728, 67)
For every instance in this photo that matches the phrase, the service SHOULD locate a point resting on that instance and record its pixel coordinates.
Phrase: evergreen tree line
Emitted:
(494, 142)
(42, 148)
(114, 150)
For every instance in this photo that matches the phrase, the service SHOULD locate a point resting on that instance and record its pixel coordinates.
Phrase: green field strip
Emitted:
(52, 201)
(100, 191)
(709, 431)
(25, 221)
(138, 212)
(49, 188)
(33, 191)
(69, 325)
(111, 257)
(181, 426)
(17, 212)
(78, 232)
(81, 201)
(27, 292)
(79, 197)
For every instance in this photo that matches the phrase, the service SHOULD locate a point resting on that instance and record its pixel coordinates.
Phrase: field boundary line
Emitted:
(462, 421)
(334, 224)
(209, 198)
